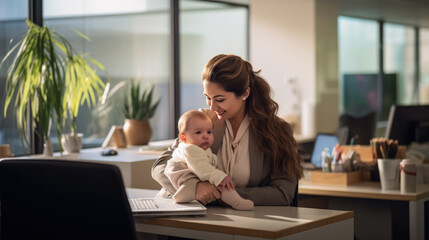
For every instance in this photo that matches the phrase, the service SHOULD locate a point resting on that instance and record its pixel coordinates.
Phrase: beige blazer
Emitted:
(264, 187)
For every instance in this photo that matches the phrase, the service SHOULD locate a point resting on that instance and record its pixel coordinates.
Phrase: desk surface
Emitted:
(263, 222)
(126, 155)
(135, 166)
(370, 190)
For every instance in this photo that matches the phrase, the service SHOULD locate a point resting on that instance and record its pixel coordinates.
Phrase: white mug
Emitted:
(408, 176)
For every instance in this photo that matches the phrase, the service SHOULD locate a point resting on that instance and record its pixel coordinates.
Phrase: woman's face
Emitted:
(225, 104)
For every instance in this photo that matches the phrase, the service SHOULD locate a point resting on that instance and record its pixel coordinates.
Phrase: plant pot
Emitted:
(137, 132)
(72, 142)
(48, 150)
(5, 151)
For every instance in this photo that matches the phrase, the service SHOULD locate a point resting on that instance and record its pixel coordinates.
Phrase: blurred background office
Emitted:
(338, 56)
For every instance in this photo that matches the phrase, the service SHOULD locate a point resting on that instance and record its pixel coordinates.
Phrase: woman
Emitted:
(254, 146)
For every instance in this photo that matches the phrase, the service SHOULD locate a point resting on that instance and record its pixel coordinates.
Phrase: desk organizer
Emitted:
(365, 152)
(336, 178)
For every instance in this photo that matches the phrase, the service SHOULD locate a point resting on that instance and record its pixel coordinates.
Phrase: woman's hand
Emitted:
(206, 192)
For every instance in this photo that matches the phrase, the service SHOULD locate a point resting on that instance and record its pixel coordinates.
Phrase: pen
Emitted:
(340, 149)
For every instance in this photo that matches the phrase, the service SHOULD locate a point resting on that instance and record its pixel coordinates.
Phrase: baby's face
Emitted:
(199, 133)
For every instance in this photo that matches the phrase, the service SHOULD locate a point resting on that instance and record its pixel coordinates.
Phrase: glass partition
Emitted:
(131, 39)
(424, 66)
(399, 49)
(358, 65)
(12, 29)
(207, 29)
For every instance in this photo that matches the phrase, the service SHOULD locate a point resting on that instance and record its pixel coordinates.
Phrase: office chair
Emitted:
(54, 199)
(294, 202)
(360, 129)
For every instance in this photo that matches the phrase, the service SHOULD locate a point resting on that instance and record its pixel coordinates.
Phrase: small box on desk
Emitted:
(366, 155)
(336, 178)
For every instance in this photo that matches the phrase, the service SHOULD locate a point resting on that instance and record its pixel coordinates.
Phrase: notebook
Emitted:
(156, 207)
(322, 141)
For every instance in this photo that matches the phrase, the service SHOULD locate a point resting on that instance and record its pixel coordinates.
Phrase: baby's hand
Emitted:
(227, 183)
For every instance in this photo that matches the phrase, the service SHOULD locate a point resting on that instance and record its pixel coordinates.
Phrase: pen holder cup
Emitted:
(389, 173)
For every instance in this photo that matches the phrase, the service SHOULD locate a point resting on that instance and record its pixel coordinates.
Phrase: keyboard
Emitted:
(142, 203)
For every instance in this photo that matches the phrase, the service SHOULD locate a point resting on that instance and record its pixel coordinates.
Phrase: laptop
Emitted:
(158, 207)
(322, 141)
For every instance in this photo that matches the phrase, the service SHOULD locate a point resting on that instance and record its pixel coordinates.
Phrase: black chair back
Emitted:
(294, 202)
(361, 129)
(55, 199)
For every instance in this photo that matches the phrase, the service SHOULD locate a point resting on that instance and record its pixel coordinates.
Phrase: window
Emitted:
(399, 49)
(358, 65)
(12, 28)
(207, 29)
(131, 38)
(361, 66)
(424, 66)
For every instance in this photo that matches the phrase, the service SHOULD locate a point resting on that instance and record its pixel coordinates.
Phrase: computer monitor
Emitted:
(322, 141)
(408, 123)
(361, 90)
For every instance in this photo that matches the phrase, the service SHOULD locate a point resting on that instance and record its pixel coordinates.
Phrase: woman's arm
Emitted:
(159, 167)
(274, 190)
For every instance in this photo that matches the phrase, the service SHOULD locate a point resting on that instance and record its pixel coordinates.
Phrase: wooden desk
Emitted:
(378, 213)
(135, 166)
(265, 222)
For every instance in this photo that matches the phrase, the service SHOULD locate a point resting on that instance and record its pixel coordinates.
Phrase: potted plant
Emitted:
(82, 85)
(138, 109)
(45, 81)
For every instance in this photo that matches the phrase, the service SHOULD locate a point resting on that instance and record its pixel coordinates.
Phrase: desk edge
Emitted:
(169, 222)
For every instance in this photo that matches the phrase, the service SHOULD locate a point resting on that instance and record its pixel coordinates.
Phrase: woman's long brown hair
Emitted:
(274, 135)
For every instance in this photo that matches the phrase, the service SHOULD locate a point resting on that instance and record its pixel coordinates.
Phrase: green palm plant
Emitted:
(48, 79)
(83, 85)
(138, 106)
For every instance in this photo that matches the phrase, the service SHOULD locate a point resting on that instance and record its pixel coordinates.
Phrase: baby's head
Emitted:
(196, 128)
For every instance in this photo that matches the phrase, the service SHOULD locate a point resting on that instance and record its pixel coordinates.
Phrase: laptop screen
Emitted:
(322, 141)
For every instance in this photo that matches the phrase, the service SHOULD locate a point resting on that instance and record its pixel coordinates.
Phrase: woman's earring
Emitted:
(244, 99)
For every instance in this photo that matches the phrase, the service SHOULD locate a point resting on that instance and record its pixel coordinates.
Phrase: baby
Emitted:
(196, 136)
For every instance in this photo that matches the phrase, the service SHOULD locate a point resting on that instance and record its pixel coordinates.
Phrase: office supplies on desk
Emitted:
(366, 155)
(156, 147)
(322, 141)
(336, 178)
(155, 207)
(384, 148)
(148, 148)
(423, 173)
(326, 161)
(116, 137)
(408, 176)
(389, 173)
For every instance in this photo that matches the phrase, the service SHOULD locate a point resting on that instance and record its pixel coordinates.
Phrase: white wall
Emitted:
(283, 45)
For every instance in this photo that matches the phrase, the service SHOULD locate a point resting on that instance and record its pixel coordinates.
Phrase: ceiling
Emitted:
(409, 12)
